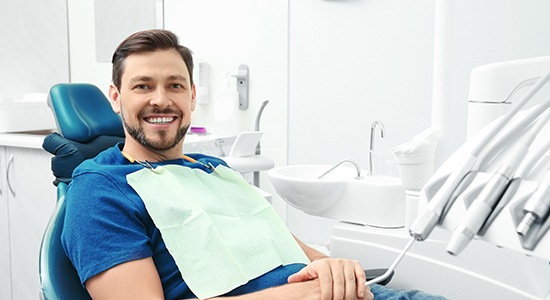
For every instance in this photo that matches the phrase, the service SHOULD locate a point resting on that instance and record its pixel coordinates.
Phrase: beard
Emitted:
(164, 142)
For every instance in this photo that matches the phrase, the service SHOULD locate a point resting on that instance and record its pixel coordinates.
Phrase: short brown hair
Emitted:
(148, 41)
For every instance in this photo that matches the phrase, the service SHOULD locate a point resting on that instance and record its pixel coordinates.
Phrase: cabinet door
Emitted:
(32, 198)
(5, 267)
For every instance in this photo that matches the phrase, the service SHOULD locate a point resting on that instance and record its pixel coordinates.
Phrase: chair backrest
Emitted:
(58, 277)
(87, 125)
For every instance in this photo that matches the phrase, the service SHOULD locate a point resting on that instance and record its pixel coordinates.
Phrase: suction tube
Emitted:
(389, 272)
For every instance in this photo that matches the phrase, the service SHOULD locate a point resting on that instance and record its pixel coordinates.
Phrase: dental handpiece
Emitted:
(424, 224)
(537, 207)
(479, 211)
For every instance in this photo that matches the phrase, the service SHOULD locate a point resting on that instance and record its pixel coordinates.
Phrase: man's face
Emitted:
(155, 99)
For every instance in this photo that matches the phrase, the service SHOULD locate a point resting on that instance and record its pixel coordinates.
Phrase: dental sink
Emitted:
(370, 200)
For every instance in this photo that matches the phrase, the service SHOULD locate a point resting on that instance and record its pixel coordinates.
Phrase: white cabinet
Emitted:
(5, 267)
(27, 202)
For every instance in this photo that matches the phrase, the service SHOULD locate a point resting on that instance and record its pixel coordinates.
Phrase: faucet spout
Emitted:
(357, 168)
(375, 124)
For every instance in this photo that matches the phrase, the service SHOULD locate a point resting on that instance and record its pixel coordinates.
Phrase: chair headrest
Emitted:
(82, 112)
(68, 154)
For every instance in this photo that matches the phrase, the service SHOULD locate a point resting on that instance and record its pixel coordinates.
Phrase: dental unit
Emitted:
(495, 162)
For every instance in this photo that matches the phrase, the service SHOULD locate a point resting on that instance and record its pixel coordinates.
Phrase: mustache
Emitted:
(159, 111)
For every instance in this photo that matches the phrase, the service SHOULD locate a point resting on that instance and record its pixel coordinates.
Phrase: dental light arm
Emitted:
(434, 214)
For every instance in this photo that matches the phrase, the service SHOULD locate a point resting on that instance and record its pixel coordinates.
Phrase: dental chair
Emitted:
(87, 125)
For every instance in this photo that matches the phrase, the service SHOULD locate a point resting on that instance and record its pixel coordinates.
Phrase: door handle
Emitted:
(10, 164)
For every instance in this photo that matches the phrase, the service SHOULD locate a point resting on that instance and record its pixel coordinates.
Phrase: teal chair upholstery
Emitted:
(86, 126)
(58, 278)
(82, 112)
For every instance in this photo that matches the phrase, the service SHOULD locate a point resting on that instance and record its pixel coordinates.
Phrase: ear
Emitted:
(193, 97)
(114, 97)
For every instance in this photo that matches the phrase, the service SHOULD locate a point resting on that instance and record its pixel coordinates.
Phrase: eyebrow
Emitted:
(177, 77)
(148, 78)
(140, 79)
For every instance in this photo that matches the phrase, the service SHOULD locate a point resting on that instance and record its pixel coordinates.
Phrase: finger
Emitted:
(361, 279)
(350, 277)
(339, 284)
(324, 270)
(368, 294)
(303, 275)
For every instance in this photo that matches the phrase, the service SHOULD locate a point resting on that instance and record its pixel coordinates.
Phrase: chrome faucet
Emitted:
(371, 147)
(344, 161)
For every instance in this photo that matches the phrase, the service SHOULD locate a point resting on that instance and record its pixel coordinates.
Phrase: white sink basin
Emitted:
(372, 200)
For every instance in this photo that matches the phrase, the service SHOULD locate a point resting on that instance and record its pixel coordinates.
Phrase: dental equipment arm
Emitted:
(424, 225)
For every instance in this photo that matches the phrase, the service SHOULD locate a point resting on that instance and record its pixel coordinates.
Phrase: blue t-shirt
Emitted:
(106, 224)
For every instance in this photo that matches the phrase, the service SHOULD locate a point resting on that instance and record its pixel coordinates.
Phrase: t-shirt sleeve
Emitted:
(103, 227)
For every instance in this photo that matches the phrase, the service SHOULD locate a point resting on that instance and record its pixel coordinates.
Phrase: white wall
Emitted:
(87, 19)
(33, 46)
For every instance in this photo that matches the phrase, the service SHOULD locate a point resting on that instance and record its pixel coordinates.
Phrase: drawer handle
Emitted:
(10, 163)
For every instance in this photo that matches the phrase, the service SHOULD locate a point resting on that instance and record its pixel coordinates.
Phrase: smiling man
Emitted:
(111, 236)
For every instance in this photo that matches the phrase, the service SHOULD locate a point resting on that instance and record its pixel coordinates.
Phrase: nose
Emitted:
(160, 98)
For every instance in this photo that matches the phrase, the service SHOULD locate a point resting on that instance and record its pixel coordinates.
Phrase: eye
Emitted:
(177, 86)
(141, 87)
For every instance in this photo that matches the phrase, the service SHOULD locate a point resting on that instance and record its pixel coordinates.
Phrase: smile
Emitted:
(159, 120)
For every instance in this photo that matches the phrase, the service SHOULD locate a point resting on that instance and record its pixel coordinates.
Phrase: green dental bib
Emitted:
(221, 232)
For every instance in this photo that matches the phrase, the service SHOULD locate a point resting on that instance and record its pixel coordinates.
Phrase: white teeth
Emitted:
(160, 120)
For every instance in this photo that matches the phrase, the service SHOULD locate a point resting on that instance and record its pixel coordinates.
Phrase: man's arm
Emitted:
(324, 278)
(137, 279)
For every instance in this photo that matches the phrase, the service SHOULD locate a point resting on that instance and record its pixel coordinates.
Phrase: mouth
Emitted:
(159, 120)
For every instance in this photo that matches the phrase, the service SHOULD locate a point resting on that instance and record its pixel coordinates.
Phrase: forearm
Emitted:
(310, 252)
(293, 291)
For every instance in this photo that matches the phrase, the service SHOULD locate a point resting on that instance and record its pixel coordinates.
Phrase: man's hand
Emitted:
(338, 278)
